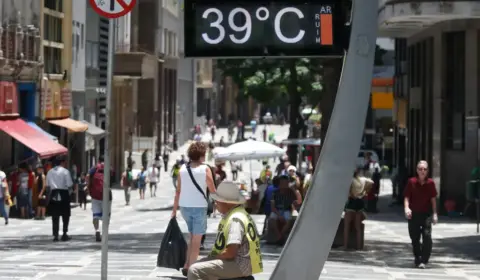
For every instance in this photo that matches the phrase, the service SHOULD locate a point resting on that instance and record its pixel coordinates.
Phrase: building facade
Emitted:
(20, 67)
(152, 84)
(56, 98)
(436, 88)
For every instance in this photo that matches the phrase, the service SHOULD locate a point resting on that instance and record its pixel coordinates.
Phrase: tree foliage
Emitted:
(270, 80)
(293, 81)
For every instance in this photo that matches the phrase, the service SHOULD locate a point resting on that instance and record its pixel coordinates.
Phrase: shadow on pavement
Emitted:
(168, 208)
(389, 212)
(448, 252)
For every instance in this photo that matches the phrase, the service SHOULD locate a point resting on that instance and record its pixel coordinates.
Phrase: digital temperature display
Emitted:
(263, 28)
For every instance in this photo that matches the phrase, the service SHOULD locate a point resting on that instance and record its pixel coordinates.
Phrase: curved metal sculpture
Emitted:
(309, 244)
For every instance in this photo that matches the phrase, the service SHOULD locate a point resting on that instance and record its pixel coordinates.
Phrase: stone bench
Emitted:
(338, 241)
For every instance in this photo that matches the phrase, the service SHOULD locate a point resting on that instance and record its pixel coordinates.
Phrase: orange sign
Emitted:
(56, 100)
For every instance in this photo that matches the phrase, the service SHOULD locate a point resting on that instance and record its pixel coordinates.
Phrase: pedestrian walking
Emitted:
(191, 196)
(82, 189)
(421, 211)
(4, 196)
(59, 182)
(142, 179)
(95, 188)
(153, 178)
(40, 183)
(234, 170)
(23, 199)
(126, 181)
(145, 159)
(175, 172)
(166, 158)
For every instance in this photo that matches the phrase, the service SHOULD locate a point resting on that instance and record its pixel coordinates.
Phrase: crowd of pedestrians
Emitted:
(277, 193)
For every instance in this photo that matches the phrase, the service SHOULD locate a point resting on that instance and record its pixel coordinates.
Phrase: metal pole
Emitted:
(323, 206)
(106, 177)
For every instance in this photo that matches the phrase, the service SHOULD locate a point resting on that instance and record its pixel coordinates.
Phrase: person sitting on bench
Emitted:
(282, 205)
(236, 252)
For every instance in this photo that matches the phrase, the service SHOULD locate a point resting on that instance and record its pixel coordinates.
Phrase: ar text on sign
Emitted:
(324, 25)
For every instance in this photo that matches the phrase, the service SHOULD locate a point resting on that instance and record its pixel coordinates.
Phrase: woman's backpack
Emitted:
(142, 178)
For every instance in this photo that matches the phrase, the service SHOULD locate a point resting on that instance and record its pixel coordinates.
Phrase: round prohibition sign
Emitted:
(112, 8)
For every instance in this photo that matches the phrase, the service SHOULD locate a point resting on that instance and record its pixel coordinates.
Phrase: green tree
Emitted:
(270, 80)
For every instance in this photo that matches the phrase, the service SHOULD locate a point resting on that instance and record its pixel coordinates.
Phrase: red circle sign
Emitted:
(112, 8)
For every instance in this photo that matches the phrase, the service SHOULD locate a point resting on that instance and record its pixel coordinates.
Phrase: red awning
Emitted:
(32, 138)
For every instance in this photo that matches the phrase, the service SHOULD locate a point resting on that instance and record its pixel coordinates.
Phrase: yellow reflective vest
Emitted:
(250, 231)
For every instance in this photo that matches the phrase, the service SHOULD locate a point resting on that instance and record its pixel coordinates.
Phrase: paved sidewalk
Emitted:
(28, 253)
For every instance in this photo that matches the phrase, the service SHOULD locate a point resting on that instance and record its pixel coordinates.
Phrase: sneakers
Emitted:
(55, 239)
(98, 236)
(421, 266)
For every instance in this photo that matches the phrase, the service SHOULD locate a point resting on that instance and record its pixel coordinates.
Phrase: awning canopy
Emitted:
(94, 130)
(32, 138)
(70, 124)
(34, 125)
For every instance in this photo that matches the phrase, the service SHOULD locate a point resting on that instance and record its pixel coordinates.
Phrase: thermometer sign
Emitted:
(263, 29)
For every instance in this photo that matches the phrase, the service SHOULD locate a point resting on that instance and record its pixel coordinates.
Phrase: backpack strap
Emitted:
(195, 182)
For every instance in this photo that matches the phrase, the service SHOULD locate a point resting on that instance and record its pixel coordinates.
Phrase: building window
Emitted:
(53, 60)
(454, 85)
(52, 27)
(55, 5)
(91, 55)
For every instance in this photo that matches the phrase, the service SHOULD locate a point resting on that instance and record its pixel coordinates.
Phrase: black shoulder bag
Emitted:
(206, 196)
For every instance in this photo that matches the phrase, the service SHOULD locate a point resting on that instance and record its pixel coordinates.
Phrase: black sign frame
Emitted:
(340, 33)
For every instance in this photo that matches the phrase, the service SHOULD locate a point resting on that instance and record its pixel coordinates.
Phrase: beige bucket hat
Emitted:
(228, 192)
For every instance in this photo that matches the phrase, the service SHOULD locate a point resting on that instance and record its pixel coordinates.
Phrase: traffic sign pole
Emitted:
(106, 205)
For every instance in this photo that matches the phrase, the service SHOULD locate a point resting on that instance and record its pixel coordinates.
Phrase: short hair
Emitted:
(60, 159)
(422, 162)
(196, 151)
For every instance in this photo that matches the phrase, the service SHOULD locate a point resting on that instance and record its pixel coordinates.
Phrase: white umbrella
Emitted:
(217, 150)
(206, 138)
(248, 150)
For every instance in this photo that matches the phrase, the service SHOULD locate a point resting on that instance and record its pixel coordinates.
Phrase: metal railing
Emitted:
(125, 48)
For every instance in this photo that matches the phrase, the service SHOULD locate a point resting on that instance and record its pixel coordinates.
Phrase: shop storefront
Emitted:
(18, 135)
(55, 108)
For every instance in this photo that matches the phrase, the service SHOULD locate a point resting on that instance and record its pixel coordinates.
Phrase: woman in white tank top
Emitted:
(191, 200)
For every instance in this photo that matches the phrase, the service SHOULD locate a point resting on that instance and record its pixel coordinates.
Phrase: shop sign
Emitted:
(8, 99)
(56, 102)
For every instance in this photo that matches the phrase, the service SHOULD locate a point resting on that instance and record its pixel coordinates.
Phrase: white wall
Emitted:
(78, 45)
(123, 33)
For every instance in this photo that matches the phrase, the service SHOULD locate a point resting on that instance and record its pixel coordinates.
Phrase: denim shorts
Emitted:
(22, 199)
(287, 215)
(196, 219)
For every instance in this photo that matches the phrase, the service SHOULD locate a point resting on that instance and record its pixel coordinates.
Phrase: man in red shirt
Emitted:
(421, 211)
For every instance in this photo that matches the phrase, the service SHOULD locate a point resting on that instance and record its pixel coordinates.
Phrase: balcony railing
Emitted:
(125, 48)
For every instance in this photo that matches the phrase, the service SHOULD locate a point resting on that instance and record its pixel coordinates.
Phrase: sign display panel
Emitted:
(253, 28)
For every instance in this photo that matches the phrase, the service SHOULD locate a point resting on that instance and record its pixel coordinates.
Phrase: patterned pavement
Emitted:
(27, 252)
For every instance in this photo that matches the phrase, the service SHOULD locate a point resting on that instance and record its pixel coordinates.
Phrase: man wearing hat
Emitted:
(236, 252)
(60, 183)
